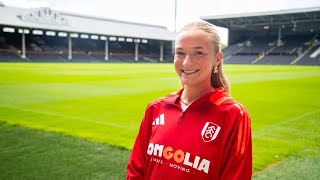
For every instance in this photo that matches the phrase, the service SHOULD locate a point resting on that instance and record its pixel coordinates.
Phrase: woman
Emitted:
(199, 132)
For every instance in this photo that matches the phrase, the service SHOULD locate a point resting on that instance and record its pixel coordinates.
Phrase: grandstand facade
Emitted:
(276, 37)
(45, 35)
(42, 34)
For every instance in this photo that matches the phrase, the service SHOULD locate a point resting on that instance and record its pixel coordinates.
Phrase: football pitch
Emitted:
(79, 121)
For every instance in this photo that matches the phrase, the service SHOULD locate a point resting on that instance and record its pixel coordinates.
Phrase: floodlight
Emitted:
(94, 37)
(62, 34)
(74, 35)
(84, 36)
(129, 40)
(112, 38)
(37, 32)
(8, 29)
(137, 40)
(103, 38)
(25, 31)
(50, 33)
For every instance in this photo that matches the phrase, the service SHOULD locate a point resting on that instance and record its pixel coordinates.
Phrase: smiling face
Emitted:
(195, 58)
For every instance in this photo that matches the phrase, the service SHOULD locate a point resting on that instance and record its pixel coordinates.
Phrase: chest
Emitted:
(193, 139)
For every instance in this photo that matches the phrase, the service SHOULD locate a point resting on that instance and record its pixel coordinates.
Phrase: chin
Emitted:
(189, 83)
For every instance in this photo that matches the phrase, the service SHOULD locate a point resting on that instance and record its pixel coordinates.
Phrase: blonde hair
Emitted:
(217, 79)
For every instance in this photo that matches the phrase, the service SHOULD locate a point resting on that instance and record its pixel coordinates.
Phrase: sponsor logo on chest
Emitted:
(180, 157)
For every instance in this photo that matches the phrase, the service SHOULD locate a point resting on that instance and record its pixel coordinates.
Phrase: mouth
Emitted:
(188, 72)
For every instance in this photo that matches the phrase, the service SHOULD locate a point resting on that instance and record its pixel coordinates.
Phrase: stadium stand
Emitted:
(45, 35)
(312, 56)
(7, 51)
(276, 37)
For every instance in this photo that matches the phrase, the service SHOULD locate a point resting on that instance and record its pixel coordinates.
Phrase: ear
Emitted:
(219, 58)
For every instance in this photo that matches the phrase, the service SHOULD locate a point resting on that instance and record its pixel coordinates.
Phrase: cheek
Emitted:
(207, 62)
(212, 62)
(207, 66)
(208, 69)
(177, 65)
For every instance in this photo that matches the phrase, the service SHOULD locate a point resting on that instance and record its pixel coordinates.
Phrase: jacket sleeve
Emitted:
(237, 160)
(137, 160)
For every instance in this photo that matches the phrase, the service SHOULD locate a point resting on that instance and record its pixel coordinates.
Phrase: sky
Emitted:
(162, 12)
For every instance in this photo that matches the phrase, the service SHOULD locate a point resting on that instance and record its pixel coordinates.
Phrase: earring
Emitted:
(215, 70)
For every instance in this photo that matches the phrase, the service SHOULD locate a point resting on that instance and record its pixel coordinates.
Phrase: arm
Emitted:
(237, 163)
(136, 163)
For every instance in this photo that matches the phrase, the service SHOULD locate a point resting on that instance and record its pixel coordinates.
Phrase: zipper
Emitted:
(180, 118)
(181, 115)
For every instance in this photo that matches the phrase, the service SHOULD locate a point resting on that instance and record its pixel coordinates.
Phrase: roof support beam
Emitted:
(279, 43)
(70, 48)
(136, 53)
(161, 51)
(106, 50)
(23, 36)
(172, 48)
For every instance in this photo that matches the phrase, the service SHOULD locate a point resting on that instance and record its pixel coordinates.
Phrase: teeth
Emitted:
(189, 71)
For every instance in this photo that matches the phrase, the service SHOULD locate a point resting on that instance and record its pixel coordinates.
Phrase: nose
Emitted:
(188, 60)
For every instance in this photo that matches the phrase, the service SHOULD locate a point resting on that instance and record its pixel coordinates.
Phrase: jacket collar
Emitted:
(216, 96)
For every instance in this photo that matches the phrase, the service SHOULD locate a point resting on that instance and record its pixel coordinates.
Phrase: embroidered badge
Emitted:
(210, 131)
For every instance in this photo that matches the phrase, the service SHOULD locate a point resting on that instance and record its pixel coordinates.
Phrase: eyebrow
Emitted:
(197, 47)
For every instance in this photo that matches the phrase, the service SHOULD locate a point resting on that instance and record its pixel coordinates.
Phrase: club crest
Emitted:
(210, 131)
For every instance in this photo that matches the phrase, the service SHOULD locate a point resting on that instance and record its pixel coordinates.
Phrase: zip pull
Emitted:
(180, 118)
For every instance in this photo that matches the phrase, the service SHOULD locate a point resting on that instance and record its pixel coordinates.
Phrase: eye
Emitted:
(198, 53)
(180, 53)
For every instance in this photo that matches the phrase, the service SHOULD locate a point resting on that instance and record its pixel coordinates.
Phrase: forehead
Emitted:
(194, 38)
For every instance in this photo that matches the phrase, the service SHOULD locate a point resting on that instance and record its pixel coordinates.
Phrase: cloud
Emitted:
(27, 3)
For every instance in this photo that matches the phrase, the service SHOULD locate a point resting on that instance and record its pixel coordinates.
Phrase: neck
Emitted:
(190, 94)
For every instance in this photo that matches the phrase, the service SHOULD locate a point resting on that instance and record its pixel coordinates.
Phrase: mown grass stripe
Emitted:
(269, 128)
(35, 155)
(68, 117)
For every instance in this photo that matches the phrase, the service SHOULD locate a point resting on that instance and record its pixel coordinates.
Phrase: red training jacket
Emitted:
(211, 139)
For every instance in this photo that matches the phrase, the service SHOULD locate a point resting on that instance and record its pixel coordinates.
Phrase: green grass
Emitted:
(27, 154)
(104, 103)
(307, 167)
(83, 100)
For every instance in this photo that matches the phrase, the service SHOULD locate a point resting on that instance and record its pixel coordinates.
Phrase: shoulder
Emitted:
(234, 108)
(168, 99)
(238, 120)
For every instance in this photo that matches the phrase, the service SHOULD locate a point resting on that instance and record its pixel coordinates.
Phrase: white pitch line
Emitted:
(66, 116)
(260, 133)
(298, 117)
